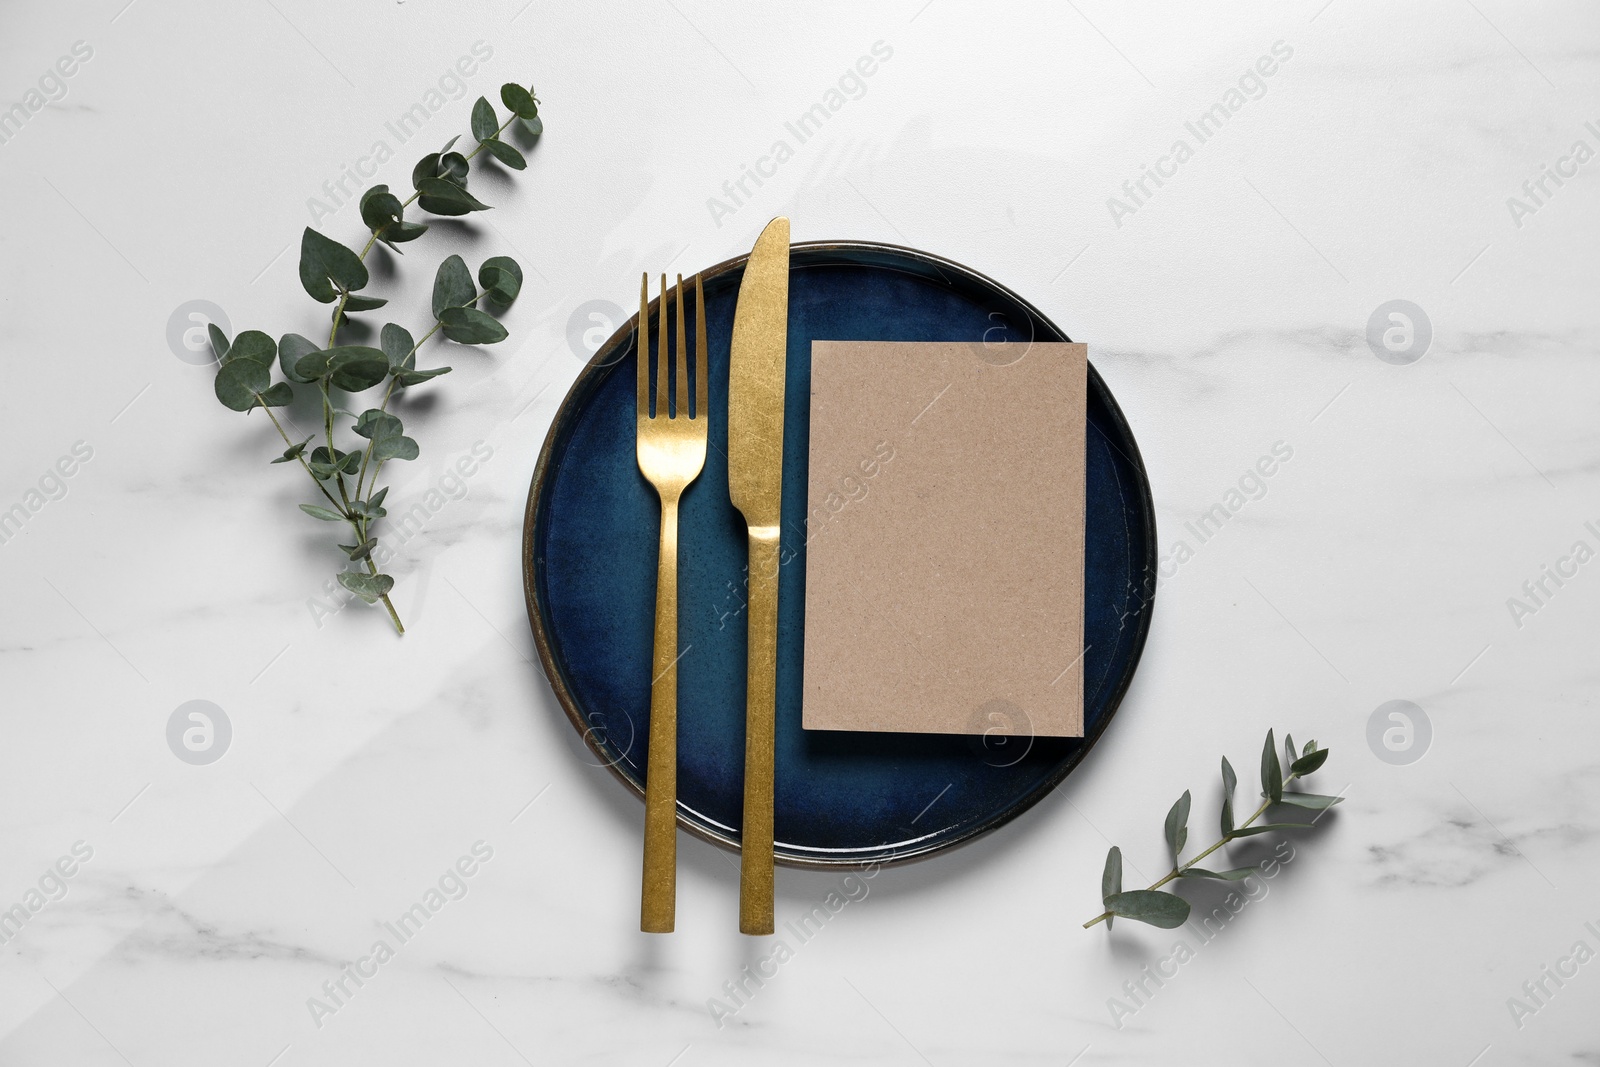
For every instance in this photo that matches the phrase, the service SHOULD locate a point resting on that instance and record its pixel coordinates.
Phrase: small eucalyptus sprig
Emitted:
(332, 273)
(1168, 910)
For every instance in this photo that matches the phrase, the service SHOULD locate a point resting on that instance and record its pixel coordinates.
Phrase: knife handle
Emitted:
(755, 852)
(660, 894)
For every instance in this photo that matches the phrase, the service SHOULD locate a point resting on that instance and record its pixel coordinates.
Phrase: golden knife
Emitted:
(755, 485)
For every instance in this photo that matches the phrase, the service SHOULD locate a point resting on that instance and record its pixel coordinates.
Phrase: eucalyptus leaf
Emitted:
(1166, 910)
(292, 348)
(1308, 763)
(380, 208)
(534, 126)
(519, 100)
(361, 369)
(1271, 770)
(1178, 826)
(446, 198)
(398, 346)
(218, 339)
(369, 587)
(252, 344)
(386, 434)
(361, 551)
(1229, 780)
(293, 452)
(415, 377)
(427, 167)
(469, 326)
(484, 122)
(401, 232)
(1111, 880)
(1289, 754)
(239, 382)
(453, 168)
(326, 266)
(501, 278)
(362, 303)
(452, 286)
(367, 509)
(317, 511)
(280, 395)
(505, 154)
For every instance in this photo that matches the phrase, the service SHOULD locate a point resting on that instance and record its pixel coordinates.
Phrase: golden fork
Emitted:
(671, 450)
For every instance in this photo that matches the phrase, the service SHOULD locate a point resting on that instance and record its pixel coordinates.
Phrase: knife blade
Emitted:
(756, 372)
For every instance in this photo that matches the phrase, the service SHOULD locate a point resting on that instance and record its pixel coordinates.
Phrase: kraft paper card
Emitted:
(944, 538)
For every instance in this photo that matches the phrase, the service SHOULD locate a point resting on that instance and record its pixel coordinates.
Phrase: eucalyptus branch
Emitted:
(1168, 910)
(333, 273)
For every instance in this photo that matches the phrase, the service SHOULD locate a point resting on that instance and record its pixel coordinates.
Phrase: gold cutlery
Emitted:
(755, 485)
(671, 450)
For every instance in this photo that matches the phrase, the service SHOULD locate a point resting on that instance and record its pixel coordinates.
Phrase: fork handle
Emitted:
(755, 850)
(660, 893)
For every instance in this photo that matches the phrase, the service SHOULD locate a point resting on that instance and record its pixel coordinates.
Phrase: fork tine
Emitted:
(680, 397)
(700, 358)
(662, 381)
(643, 346)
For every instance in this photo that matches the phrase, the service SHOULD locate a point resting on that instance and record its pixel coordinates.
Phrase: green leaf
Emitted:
(469, 326)
(377, 499)
(501, 279)
(252, 344)
(1289, 754)
(380, 208)
(1238, 874)
(1313, 801)
(1166, 910)
(1267, 828)
(398, 346)
(505, 154)
(1229, 780)
(280, 395)
(427, 167)
(534, 126)
(484, 121)
(1311, 746)
(1178, 826)
(326, 264)
(325, 467)
(445, 198)
(317, 511)
(1111, 880)
(362, 303)
(361, 369)
(238, 383)
(1309, 762)
(361, 551)
(1271, 770)
(219, 340)
(386, 434)
(292, 348)
(293, 452)
(415, 377)
(452, 286)
(368, 509)
(519, 100)
(453, 168)
(401, 232)
(369, 587)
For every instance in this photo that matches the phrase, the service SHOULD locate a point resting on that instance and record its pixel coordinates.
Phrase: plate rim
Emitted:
(569, 704)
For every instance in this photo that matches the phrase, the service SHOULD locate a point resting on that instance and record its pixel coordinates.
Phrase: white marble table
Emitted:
(1227, 307)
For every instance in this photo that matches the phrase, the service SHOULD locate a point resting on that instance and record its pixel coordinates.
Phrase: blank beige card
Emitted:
(944, 538)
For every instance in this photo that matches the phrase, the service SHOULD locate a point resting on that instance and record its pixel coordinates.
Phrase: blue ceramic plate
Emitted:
(590, 567)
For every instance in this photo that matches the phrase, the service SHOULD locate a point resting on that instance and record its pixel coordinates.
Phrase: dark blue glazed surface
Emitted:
(840, 797)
